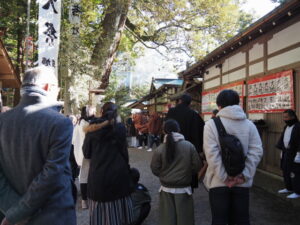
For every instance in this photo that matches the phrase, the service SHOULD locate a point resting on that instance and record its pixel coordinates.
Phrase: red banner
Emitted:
(272, 93)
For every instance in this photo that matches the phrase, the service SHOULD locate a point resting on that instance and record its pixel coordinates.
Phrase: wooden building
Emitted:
(263, 65)
(8, 77)
(159, 99)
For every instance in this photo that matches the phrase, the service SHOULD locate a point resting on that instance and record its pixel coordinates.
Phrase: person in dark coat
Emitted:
(289, 144)
(109, 175)
(190, 122)
(141, 199)
(35, 143)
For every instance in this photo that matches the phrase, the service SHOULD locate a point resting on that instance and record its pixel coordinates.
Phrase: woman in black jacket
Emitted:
(109, 179)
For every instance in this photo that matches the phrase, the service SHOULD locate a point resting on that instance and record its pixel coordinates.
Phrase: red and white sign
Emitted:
(272, 93)
(209, 97)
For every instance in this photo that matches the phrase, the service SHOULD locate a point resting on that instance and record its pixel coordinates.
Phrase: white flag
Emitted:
(49, 32)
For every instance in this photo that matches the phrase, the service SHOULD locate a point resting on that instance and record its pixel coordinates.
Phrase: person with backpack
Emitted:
(174, 162)
(233, 149)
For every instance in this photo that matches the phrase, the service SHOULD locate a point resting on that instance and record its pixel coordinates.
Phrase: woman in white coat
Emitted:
(87, 114)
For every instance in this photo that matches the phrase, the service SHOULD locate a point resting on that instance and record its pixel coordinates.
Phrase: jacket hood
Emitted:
(234, 112)
(177, 137)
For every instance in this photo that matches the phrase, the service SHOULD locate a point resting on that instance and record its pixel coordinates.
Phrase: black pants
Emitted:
(287, 162)
(154, 139)
(229, 206)
(296, 178)
(143, 139)
(145, 210)
(83, 190)
(74, 166)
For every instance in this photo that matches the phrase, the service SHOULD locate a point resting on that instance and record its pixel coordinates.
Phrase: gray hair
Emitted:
(38, 76)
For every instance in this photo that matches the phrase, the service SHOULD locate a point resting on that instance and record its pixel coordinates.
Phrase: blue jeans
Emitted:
(229, 206)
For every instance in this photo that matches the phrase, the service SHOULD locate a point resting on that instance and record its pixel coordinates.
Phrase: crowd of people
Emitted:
(144, 130)
(42, 152)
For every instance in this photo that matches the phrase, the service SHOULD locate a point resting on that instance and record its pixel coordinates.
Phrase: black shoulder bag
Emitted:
(232, 153)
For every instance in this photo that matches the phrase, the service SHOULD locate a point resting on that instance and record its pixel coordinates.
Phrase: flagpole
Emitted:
(27, 33)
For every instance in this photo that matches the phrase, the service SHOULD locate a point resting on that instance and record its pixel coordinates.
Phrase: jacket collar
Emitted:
(37, 96)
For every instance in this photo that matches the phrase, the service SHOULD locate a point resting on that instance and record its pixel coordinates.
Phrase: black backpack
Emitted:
(232, 153)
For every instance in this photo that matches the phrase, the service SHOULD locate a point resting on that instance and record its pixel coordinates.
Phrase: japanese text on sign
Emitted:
(272, 93)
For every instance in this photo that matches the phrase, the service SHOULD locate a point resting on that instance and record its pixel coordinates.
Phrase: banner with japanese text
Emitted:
(49, 32)
(209, 97)
(74, 17)
(272, 93)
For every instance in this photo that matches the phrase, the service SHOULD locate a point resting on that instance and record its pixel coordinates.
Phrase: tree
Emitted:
(193, 27)
(110, 32)
(13, 15)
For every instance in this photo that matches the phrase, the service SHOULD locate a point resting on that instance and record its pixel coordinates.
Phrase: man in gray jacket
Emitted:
(35, 142)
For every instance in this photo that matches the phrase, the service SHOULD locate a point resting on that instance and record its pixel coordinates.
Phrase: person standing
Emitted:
(131, 132)
(174, 162)
(190, 123)
(191, 126)
(141, 125)
(87, 114)
(109, 175)
(155, 128)
(229, 196)
(35, 143)
(74, 166)
(289, 144)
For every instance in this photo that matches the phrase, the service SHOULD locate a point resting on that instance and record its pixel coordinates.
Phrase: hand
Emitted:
(5, 222)
(240, 179)
(233, 181)
(230, 182)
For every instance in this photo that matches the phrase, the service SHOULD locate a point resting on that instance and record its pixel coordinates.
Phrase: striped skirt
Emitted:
(118, 212)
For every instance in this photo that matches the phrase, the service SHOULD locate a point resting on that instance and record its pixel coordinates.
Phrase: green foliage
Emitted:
(137, 92)
(118, 93)
(193, 27)
(13, 20)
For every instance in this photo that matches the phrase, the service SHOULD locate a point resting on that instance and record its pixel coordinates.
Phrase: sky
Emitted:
(152, 64)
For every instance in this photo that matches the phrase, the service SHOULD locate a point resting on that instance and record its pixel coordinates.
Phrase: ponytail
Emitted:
(170, 127)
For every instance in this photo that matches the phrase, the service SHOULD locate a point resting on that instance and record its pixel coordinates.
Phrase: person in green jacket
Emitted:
(174, 162)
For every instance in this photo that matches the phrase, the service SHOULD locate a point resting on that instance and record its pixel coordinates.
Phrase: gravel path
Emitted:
(266, 209)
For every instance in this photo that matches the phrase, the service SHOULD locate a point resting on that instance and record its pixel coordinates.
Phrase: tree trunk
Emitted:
(20, 64)
(111, 30)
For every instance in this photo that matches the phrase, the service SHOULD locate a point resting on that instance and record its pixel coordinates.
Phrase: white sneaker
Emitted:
(149, 150)
(84, 204)
(293, 196)
(283, 191)
(140, 147)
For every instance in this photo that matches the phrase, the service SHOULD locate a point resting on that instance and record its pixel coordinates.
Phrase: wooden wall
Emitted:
(275, 51)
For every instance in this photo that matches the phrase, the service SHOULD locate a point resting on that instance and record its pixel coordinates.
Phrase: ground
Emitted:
(266, 209)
